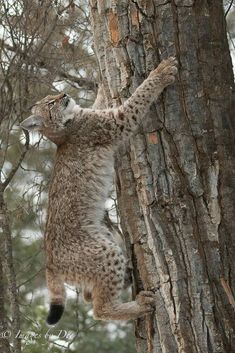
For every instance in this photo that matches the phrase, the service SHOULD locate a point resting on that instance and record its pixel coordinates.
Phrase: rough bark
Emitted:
(176, 180)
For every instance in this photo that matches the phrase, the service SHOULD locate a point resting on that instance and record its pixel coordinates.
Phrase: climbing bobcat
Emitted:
(80, 250)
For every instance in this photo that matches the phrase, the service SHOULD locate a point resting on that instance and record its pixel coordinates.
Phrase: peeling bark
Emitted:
(176, 179)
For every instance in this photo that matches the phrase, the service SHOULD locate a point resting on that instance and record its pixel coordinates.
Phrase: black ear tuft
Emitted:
(55, 313)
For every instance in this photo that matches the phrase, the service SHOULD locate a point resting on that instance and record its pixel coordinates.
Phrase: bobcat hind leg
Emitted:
(108, 307)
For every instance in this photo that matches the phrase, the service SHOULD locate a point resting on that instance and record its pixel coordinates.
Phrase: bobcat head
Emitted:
(51, 117)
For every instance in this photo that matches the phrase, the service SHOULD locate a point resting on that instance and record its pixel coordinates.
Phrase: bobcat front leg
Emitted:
(112, 125)
(151, 88)
(133, 110)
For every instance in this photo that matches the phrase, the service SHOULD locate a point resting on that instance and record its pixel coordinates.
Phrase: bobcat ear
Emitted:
(34, 122)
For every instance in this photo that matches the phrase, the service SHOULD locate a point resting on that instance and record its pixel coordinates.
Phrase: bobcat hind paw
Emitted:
(146, 298)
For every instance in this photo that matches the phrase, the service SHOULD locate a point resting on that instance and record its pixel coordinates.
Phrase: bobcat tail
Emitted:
(55, 313)
(57, 297)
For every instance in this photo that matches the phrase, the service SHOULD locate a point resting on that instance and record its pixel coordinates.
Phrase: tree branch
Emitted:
(82, 82)
(229, 8)
(15, 168)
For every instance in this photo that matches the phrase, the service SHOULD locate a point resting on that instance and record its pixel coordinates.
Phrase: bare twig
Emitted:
(82, 82)
(16, 167)
(229, 8)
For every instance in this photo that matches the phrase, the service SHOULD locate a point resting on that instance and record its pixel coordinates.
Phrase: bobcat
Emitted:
(79, 248)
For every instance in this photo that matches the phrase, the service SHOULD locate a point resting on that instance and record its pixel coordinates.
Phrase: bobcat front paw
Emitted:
(166, 71)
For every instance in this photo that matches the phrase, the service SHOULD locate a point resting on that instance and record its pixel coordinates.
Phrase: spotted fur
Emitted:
(79, 248)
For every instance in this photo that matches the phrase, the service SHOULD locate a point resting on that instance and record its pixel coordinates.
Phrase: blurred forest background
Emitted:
(45, 47)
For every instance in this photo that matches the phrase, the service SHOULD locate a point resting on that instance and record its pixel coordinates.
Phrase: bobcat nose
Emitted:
(34, 122)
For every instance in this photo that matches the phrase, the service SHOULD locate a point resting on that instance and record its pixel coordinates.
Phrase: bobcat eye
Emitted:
(50, 104)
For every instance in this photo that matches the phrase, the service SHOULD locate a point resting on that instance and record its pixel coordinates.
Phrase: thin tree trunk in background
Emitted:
(9, 290)
(4, 343)
(176, 182)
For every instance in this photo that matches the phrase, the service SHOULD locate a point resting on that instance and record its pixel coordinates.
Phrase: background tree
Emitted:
(176, 180)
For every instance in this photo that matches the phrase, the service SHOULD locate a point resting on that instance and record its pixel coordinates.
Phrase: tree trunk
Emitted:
(176, 181)
(8, 288)
(4, 333)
